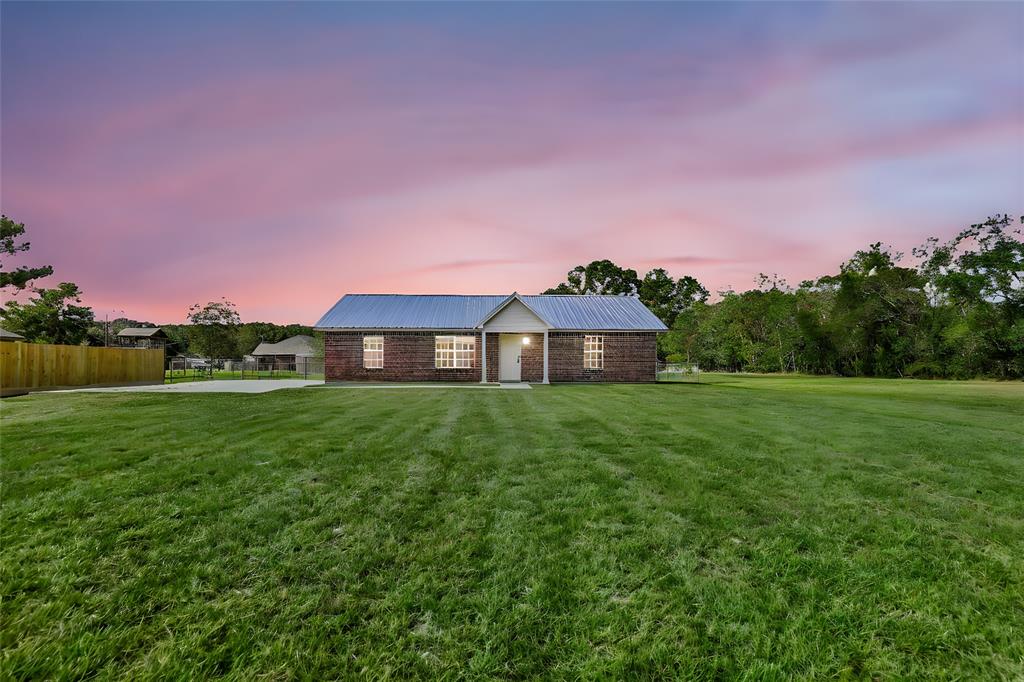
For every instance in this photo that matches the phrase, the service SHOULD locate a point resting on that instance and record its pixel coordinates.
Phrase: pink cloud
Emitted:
(283, 187)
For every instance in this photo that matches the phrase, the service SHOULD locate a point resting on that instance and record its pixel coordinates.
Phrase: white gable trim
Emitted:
(544, 324)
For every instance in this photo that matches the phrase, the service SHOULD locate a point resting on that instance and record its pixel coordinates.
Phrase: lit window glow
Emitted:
(454, 352)
(593, 352)
(373, 352)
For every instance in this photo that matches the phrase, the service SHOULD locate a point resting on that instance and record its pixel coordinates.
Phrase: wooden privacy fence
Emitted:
(39, 366)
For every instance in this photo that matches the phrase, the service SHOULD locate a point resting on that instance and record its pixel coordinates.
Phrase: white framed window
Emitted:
(373, 352)
(454, 352)
(593, 352)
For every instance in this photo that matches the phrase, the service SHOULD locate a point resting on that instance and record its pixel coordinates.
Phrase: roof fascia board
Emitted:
(501, 306)
(394, 329)
(496, 309)
(472, 329)
(603, 330)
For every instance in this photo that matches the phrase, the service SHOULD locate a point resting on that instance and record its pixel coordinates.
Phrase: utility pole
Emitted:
(106, 326)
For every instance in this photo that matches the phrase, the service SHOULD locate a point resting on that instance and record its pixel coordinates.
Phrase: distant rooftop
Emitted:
(142, 332)
(296, 345)
(10, 336)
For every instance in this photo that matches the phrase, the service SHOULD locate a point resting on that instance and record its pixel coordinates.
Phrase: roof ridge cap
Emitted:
(436, 295)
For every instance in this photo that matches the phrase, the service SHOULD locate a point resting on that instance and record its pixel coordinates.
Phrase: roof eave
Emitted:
(476, 329)
(599, 329)
(395, 329)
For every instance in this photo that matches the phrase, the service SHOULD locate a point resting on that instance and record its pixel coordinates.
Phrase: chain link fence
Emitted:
(180, 369)
(678, 372)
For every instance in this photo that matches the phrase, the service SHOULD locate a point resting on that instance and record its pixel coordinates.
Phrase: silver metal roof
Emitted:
(140, 331)
(625, 313)
(398, 311)
(4, 334)
(293, 345)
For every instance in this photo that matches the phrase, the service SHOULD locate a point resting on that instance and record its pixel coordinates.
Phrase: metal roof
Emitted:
(399, 311)
(141, 331)
(294, 345)
(625, 313)
(4, 334)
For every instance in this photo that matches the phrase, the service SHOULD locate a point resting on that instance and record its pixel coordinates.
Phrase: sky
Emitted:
(284, 154)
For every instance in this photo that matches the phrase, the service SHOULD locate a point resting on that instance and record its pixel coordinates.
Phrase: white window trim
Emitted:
(593, 352)
(454, 352)
(373, 352)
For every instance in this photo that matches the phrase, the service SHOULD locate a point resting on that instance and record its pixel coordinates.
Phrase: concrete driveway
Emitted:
(212, 386)
(267, 385)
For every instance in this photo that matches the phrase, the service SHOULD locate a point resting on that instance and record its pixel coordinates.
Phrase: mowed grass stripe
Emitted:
(768, 527)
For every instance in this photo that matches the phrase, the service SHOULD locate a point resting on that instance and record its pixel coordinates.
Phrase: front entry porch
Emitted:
(520, 351)
(512, 357)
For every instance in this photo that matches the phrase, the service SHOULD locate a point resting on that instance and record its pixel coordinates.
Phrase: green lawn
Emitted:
(769, 526)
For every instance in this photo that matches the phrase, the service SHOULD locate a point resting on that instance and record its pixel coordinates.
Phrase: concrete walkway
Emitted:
(267, 385)
(212, 386)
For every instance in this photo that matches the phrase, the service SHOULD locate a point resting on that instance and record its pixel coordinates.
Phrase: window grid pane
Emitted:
(593, 352)
(454, 352)
(373, 352)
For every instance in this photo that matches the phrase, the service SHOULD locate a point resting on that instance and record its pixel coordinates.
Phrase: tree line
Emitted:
(959, 312)
(56, 314)
(215, 330)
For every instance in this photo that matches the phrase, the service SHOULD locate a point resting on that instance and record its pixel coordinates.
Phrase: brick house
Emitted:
(386, 337)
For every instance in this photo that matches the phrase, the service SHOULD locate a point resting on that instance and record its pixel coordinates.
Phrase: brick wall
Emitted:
(533, 358)
(493, 346)
(629, 357)
(409, 356)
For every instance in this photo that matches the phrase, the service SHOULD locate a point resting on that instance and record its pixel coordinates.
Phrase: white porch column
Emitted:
(545, 356)
(483, 356)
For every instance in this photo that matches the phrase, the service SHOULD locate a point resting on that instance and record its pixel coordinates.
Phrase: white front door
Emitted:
(510, 357)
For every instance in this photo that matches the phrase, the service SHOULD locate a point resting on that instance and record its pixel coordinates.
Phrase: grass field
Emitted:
(771, 527)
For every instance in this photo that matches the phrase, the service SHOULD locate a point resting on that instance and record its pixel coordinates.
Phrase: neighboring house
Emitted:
(294, 353)
(10, 336)
(142, 337)
(386, 337)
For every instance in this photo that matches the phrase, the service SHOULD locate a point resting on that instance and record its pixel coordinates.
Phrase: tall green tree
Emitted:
(878, 313)
(11, 244)
(656, 291)
(214, 329)
(598, 277)
(816, 352)
(178, 336)
(666, 297)
(985, 262)
(755, 331)
(252, 334)
(960, 313)
(51, 316)
(978, 282)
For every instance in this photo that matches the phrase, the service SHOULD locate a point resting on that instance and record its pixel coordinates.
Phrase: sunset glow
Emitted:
(281, 155)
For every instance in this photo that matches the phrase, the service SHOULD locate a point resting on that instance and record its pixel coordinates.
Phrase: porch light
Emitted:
(526, 340)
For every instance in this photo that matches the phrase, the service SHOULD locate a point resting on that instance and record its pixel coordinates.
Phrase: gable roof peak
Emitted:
(507, 302)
